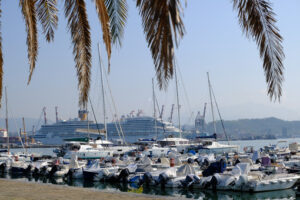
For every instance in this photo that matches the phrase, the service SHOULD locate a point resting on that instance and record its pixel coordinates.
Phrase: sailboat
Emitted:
(209, 144)
(181, 144)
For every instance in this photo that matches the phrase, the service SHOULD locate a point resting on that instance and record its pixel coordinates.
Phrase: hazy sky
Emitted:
(213, 42)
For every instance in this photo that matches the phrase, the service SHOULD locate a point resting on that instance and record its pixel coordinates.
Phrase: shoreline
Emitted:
(22, 190)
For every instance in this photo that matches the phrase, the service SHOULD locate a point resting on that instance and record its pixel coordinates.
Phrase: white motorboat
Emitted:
(84, 151)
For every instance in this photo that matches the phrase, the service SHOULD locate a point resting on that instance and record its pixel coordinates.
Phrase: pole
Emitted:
(154, 108)
(103, 97)
(6, 121)
(25, 136)
(178, 106)
(211, 103)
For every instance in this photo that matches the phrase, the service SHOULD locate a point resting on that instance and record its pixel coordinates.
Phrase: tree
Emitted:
(163, 27)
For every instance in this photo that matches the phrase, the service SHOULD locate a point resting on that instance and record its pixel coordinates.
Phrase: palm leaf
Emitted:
(29, 14)
(117, 11)
(258, 20)
(75, 12)
(1, 59)
(104, 19)
(162, 25)
(47, 14)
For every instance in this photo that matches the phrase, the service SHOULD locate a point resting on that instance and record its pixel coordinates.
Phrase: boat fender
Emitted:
(163, 179)
(123, 175)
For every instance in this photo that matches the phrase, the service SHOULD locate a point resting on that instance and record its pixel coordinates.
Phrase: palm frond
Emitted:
(1, 59)
(258, 20)
(117, 11)
(163, 26)
(75, 12)
(29, 14)
(47, 14)
(104, 19)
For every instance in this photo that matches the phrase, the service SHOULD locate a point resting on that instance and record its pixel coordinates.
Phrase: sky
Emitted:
(213, 43)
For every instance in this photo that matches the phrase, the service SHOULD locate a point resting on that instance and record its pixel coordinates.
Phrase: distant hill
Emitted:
(257, 128)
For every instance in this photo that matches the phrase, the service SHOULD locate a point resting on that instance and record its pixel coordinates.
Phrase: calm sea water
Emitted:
(178, 193)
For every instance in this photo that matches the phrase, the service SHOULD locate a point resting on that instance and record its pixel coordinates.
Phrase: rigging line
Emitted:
(38, 124)
(184, 89)
(220, 115)
(97, 125)
(15, 122)
(114, 105)
(116, 126)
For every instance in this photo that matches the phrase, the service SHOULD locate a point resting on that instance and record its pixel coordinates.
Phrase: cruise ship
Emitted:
(133, 127)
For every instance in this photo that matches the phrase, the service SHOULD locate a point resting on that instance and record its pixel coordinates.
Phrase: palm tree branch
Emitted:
(117, 12)
(162, 25)
(47, 15)
(1, 59)
(104, 20)
(257, 19)
(29, 14)
(75, 12)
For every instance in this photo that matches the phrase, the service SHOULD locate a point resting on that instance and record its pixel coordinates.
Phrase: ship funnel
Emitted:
(82, 115)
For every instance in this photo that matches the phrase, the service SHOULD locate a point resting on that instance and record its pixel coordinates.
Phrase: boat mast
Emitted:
(154, 109)
(25, 134)
(211, 104)
(6, 121)
(103, 97)
(178, 106)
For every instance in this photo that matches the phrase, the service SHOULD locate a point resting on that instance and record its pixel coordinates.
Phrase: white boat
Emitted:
(95, 172)
(84, 151)
(181, 144)
(205, 146)
(242, 179)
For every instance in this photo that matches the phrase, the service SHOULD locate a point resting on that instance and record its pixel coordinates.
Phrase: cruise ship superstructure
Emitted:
(133, 127)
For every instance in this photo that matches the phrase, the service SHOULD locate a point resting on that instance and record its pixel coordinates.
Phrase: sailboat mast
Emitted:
(103, 97)
(6, 121)
(154, 109)
(211, 103)
(178, 106)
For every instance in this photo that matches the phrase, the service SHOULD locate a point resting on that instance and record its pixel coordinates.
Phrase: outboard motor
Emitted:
(35, 172)
(188, 182)
(214, 182)
(54, 169)
(69, 175)
(190, 161)
(43, 171)
(147, 178)
(123, 175)
(2, 167)
(162, 179)
(28, 169)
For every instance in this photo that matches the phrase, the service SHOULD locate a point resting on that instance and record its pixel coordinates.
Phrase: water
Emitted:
(179, 193)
